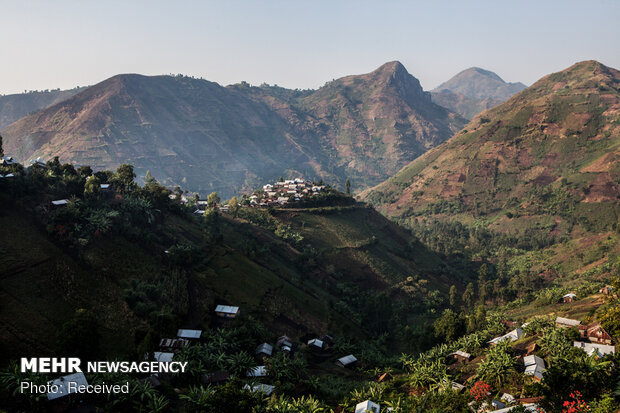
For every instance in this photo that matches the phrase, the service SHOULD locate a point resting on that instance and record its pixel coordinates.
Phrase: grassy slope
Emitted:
(545, 160)
(43, 285)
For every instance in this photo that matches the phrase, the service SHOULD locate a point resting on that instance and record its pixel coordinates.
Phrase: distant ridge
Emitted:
(16, 106)
(474, 90)
(481, 84)
(206, 137)
(548, 154)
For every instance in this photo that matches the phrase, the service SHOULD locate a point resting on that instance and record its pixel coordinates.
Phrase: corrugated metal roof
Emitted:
(514, 335)
(227, 309)
(346, 360)
(315, 342)
(163, 356)
(264, 348)
(567, 321)
(534, 366)
(528, 407)
(264, 388)
(189, 333)
(63, 385)
(596, 349)
(367, 406)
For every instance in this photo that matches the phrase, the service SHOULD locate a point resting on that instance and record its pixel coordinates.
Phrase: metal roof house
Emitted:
(264, 349)
(569, 298)
(597, 334)
(60, 202)
(263, 388)
(182, 333)
(514, 335)
(284, 341)
(534, 366)
(38, 162)
(346, 360)
(367, 406)
(457, 387)
(63, 385)
(460, 355)
(173, 343)
(530, 408)
(7, 161)
(163, 357)
(316, 344)
(598, 350)
(227, 311)
(566, 322)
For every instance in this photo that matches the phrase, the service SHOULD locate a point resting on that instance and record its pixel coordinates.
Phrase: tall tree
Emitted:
(1, 150)
(92, 187)
(453, 295)
(124, 177)
(468, 295)
(482, 282)
(149, 178)
(213, 199)
(233, 206)
(347, 184)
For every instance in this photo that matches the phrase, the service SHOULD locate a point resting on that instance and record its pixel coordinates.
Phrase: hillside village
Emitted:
(494, 369)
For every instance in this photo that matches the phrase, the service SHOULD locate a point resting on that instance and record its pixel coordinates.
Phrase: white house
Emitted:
(598, 350)
(264, 349)
(7, 161)
(162, 356)
(316, 343)
(227, 311)
(182, 333)
(514, 335)
(63, 385)
(566, 322)
(529, 407)
(346, 360)
(367, 407)
(263, 388)
(534, 366)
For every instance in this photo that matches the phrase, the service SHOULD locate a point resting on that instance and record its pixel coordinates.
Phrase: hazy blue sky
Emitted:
(61, 43)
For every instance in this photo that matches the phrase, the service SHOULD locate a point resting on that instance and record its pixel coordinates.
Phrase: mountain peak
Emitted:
(478, 83)
(391, 67)
(481, 71)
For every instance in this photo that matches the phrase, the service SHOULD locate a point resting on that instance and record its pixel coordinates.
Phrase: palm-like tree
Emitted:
(240, 363)
(198, 396)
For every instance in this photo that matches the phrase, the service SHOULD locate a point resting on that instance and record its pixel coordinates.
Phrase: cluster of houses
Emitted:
(594, 340)
(282, 192)
(186, 337)
(271, 195)
(7, 161)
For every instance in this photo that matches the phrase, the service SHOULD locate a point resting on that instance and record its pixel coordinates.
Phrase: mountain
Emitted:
(14, 107)
(480, 84)
(372, 123)
(465, 106)
(474, 90)
(547, 160)
(206, 137)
